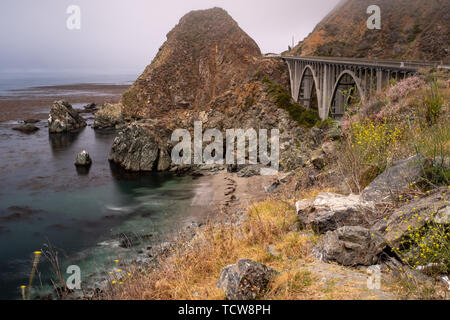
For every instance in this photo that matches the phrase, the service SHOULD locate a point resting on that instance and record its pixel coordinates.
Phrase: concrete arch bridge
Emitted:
(329, 84)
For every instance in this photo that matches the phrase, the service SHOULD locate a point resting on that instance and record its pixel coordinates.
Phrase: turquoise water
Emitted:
(44, 199)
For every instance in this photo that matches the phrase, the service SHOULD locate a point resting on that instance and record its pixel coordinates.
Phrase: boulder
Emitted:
(272, 187)
(414, 215)
(442, 216)
(246, 280)
(138, 148)
(31, 121)
(63, 118)
(26, 128)
(329, 211)
(249, 171)
(83, 159)
(394, 180)
(109, 116)
(318, 159)
(90, 108)
(350, 246)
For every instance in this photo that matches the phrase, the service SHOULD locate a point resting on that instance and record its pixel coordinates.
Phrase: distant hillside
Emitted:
(410, 29)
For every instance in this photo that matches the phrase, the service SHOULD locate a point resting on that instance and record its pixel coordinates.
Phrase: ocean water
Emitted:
(22, 80)
(44, 199)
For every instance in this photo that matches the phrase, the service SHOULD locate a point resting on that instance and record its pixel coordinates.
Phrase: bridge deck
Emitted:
(371, 63)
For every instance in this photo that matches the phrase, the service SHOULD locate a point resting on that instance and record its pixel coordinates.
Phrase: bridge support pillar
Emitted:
(307, 91)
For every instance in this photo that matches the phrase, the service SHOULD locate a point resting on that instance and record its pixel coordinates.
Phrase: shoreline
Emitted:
(29, 102)
(222, 197)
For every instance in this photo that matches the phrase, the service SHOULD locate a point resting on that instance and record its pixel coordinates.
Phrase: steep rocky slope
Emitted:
(410, 29)
(206, 54)
(208, 70)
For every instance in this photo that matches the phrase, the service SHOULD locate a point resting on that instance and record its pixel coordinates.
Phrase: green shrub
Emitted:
(433, 103)
(427, 245)
(282, 98)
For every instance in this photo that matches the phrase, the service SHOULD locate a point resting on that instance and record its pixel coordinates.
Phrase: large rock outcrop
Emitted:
(205, 55)
(139, 147)
(410, 30)
(350, 246)
(108, 116)
(329, 211)
(394, 180)
(246, 280)
(63, 118)
(208, 70)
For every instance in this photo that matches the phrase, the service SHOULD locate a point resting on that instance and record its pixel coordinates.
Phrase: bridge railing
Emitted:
(369, 62)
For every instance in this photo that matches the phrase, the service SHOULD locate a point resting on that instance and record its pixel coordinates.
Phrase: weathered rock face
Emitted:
(394, 180)
(350, 246)
(26, 128)
(246, 280)
(109, 116)
(204, 56)
(410, 31)
(330, 211)
(138, 148)
(414, 215)
(63, 118)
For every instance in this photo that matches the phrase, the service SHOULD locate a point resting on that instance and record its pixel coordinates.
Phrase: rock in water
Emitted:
(63, 118)
(83, 159)
(139, 148)
(26, 128)
(109, 116)
(246, 280)
(31, 121)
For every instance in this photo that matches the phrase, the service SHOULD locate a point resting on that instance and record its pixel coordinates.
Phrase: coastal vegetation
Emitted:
(270, 232)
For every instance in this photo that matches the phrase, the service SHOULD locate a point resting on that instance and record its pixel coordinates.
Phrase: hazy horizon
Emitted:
(119, 36)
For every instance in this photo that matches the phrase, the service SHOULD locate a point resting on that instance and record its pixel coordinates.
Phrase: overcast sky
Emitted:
(121, 36)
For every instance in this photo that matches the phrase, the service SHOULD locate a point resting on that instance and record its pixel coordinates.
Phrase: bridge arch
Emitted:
(307, 87)
(338, 102)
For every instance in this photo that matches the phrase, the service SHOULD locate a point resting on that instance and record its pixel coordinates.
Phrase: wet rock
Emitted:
(329, 211)
(246, 280)
(26, 128)
(90, 108)
(31, 121)
(350, 246)
(83, 159)
(394, 180)
(63, 118)
(130, 240)
(137, 148)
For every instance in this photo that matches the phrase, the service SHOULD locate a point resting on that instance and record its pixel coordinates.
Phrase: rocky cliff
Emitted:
(208, 70)
(206, 54)
(410, 29)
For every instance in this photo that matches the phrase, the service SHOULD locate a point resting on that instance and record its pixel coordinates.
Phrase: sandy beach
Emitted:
(35, 102)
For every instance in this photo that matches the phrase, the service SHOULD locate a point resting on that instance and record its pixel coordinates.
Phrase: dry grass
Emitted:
(192, 269)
